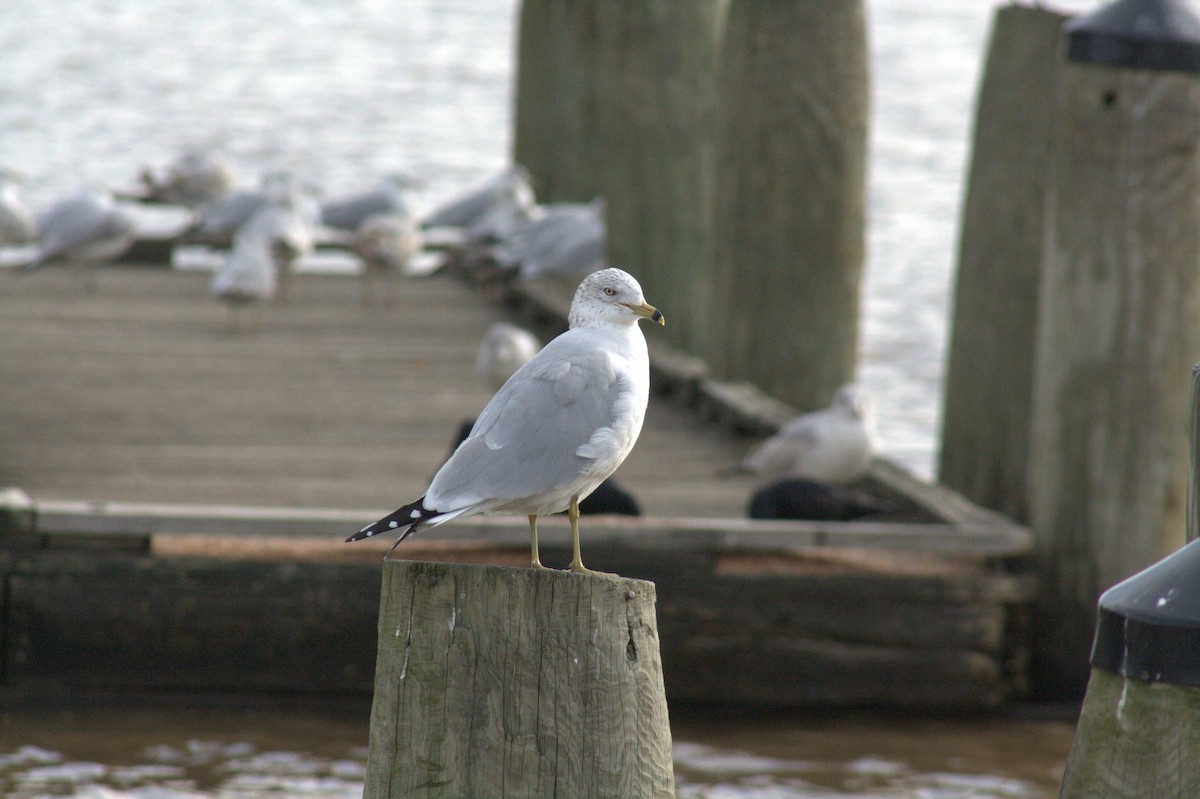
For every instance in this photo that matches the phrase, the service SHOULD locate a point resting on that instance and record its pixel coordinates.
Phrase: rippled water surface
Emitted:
(225, 753)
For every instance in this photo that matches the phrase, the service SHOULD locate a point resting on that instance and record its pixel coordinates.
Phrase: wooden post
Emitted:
(989, 373)
(1117, 334)
(656, 94)
(793, 101)
(497, 681)
(554, 114)
(1134, 739)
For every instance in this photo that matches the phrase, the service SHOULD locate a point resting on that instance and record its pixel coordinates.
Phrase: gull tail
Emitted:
(415, 515)
(412, 515)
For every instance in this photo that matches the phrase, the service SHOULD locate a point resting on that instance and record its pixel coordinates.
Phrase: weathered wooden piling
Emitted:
(497, 681)
(989, 372)
(791, 148)
(656, 94)
(554, 109)
(1116, 335)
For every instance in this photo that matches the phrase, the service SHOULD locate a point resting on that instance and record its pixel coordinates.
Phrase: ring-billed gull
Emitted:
(561, 424)
(86, 228)
(834, 445)
(350, 212)
(197, 177)
(504, 349)
(386, 243)
(508, 189)
(263, 253)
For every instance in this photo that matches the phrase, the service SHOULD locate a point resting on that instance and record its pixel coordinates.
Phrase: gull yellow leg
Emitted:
(573, 515)
(535, 561)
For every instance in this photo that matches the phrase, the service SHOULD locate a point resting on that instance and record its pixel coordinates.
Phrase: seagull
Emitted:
(509, 187)
(262, 256)
(86, 228)
(219, 222)
(17, 225)
(834, 445)
(556, 429)
(564, 238)
(349, 213)
(386, 243)
(197, 178)
(505, 348)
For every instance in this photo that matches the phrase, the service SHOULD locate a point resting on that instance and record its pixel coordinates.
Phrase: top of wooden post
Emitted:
(1142, 34)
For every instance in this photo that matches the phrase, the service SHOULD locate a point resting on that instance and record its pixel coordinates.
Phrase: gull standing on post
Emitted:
(556, 429)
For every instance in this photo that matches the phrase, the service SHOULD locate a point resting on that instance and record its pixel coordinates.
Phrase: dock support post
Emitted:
(554, 105)
(989, 370)
(1116, 332)
(1139, 728)
(495, 681)
(789, 226)
(656, 97)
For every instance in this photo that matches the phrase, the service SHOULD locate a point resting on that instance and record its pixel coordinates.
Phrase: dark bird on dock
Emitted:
(350, 212)
(833, 445)
(557, 428)
(87, 228)
(798, 499)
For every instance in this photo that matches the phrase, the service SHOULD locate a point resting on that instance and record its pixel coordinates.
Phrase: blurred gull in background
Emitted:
(505, 349)
(264, 250)
(349, 213)
(834, 445)
(196, 179)
(86, 228)
(510, 189)
(218, 223)
(386, 243)
(564, 238)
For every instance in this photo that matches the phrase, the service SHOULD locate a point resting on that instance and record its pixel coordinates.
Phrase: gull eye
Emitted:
(611, 292)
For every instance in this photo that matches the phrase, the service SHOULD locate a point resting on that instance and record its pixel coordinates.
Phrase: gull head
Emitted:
(611, 296)
(850, 400)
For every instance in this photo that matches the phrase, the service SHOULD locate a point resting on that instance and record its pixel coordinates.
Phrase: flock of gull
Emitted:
(264, 231)
(807, 470)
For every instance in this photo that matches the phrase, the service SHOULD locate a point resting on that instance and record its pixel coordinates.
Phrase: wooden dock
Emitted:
(139, 393)
(201, 484)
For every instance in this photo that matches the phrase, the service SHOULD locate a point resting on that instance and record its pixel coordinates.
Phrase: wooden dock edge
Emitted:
(185, 598)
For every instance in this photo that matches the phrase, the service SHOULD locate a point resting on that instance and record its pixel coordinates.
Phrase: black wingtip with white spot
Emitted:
(411, 515)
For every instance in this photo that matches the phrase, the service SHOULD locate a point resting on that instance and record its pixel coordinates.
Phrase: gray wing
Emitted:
(525, 441)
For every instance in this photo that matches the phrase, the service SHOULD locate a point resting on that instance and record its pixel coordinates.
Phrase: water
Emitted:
(183, 752)
(342, 93)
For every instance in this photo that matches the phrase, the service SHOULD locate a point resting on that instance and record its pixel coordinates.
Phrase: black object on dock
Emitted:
(1143, 34)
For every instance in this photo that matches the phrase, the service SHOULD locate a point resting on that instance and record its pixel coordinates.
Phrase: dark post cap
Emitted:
(1149, 625)
(1143, 34)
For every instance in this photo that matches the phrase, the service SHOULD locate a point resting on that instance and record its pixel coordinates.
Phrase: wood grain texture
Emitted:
(1134, 739)
(656, 99)
(990, 359)
(789, 223)
(1117, 337)
(517, 682)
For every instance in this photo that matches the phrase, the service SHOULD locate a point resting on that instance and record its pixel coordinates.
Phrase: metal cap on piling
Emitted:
(1142, 34)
